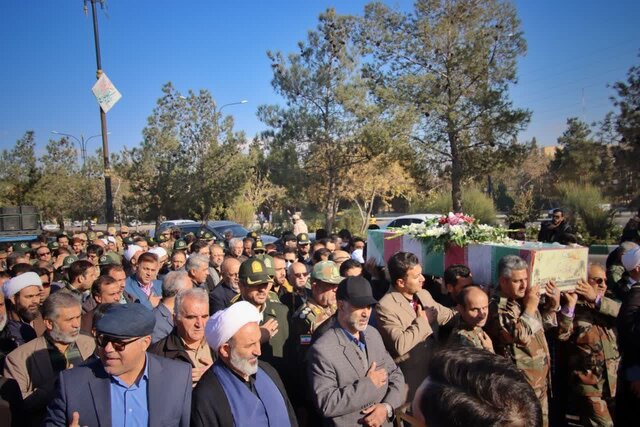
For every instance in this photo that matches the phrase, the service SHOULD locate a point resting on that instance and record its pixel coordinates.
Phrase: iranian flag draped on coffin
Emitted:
(564, 265)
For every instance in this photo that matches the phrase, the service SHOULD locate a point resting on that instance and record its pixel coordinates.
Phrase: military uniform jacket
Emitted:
(594, 357)
(467, 337)
(273, 351)
(521, 338)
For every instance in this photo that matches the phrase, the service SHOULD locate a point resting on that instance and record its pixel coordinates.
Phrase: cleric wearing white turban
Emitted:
(238, 389)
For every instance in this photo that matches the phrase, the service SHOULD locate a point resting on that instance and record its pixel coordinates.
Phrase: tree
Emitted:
(189, 162)
(18, 171)
(448, 64)
(374, 180)
(579, 157)
(626, 122)
(328, 116)
(58, 189)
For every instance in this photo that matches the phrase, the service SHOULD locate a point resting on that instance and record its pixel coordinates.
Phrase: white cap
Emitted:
(357, 255)
(20, 282)
(631, 258)
(224, 324)
(160, 252)
(131, 251)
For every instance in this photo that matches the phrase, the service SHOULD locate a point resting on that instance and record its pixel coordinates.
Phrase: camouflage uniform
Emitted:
(593, 359)
(467, 337)
(521, 338)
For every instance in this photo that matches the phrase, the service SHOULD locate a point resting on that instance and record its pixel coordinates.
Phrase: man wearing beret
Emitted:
(23, 295)
(239, 389)
(36, 364)
(354, 379)
(125, 385)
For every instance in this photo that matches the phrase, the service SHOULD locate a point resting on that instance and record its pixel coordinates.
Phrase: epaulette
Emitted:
(235, 299)
(273, 297)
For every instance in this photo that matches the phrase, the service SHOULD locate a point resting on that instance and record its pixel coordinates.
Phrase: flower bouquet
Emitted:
(457, 229)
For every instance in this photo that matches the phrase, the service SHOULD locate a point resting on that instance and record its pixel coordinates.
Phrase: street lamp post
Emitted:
(82, 142)
(103, 119)
(244, 101)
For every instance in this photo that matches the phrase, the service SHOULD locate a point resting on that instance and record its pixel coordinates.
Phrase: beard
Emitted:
(27, 314)
(3, 321)
(64, 337)
(242, 364)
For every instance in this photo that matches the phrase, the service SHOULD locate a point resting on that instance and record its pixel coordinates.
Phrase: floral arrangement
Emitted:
(452, 229)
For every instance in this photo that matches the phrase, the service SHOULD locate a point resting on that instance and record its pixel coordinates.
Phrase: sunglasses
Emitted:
(44, 253)
(300, 275)
(46, 284)
(598, 280)
(116, 343)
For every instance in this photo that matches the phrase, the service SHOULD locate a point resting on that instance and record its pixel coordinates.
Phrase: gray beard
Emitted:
(242, 364)
(61, 337)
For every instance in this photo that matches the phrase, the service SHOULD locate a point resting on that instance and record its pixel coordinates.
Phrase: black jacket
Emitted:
(550, 235)
(210, 407)
(628, 323)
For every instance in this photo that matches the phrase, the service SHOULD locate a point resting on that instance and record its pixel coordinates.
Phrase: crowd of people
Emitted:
(119, 329)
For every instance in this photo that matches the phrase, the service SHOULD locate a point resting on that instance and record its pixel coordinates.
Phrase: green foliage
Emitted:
(476, 203)
(584, 201)
(579, 157)
(18, 171)
(448, 65)
(190, 162)
(242, 212)
(524, 208)
(349, 219)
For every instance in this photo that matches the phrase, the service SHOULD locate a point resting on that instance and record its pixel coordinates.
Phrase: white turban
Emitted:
(20, 282)
(631, 258)
(160, 252)
(224, 324)
(131, 251)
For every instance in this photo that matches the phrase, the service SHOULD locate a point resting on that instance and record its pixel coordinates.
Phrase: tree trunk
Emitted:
(456, 174)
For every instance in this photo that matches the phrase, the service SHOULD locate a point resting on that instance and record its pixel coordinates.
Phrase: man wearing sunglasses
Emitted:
(589, 322)
(552, 231)
(124, 385)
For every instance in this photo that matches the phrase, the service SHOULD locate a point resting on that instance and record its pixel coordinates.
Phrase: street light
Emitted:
(244, 101)
(82, 142)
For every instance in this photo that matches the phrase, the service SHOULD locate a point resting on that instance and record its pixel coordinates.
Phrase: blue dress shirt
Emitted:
(129, 405)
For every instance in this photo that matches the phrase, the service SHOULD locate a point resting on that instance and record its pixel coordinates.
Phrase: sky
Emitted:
(575, 49)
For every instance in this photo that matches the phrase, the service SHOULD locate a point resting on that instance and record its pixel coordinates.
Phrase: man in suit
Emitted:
(409, 318)
(143, 285)
(239, 389)
(355, 380)
(124, 385)
(36, 364)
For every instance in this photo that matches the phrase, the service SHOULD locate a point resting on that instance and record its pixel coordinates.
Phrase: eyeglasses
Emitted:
(300, 275)
(117, 344)
(44, 253)
(598, 280)
(124, 232)
(46, 284)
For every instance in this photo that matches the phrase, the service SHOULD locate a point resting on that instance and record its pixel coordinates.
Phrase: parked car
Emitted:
(77, 223)
(218, 228)
(411, 219)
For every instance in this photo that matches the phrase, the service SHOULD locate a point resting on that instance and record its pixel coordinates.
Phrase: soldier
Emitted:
(325, 278)
(473, 306)
(516, 326)
(593, 355)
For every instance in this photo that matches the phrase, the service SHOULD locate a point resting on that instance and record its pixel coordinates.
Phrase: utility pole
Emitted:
(103, 119)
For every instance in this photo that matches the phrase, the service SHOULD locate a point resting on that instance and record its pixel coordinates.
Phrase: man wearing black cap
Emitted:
(125, 385)
(354, 378)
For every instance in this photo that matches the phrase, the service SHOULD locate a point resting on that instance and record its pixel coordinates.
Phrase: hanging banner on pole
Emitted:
(106, 93)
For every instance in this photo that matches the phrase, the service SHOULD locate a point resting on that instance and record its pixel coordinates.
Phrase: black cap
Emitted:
(356, 290)
(127, 321)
